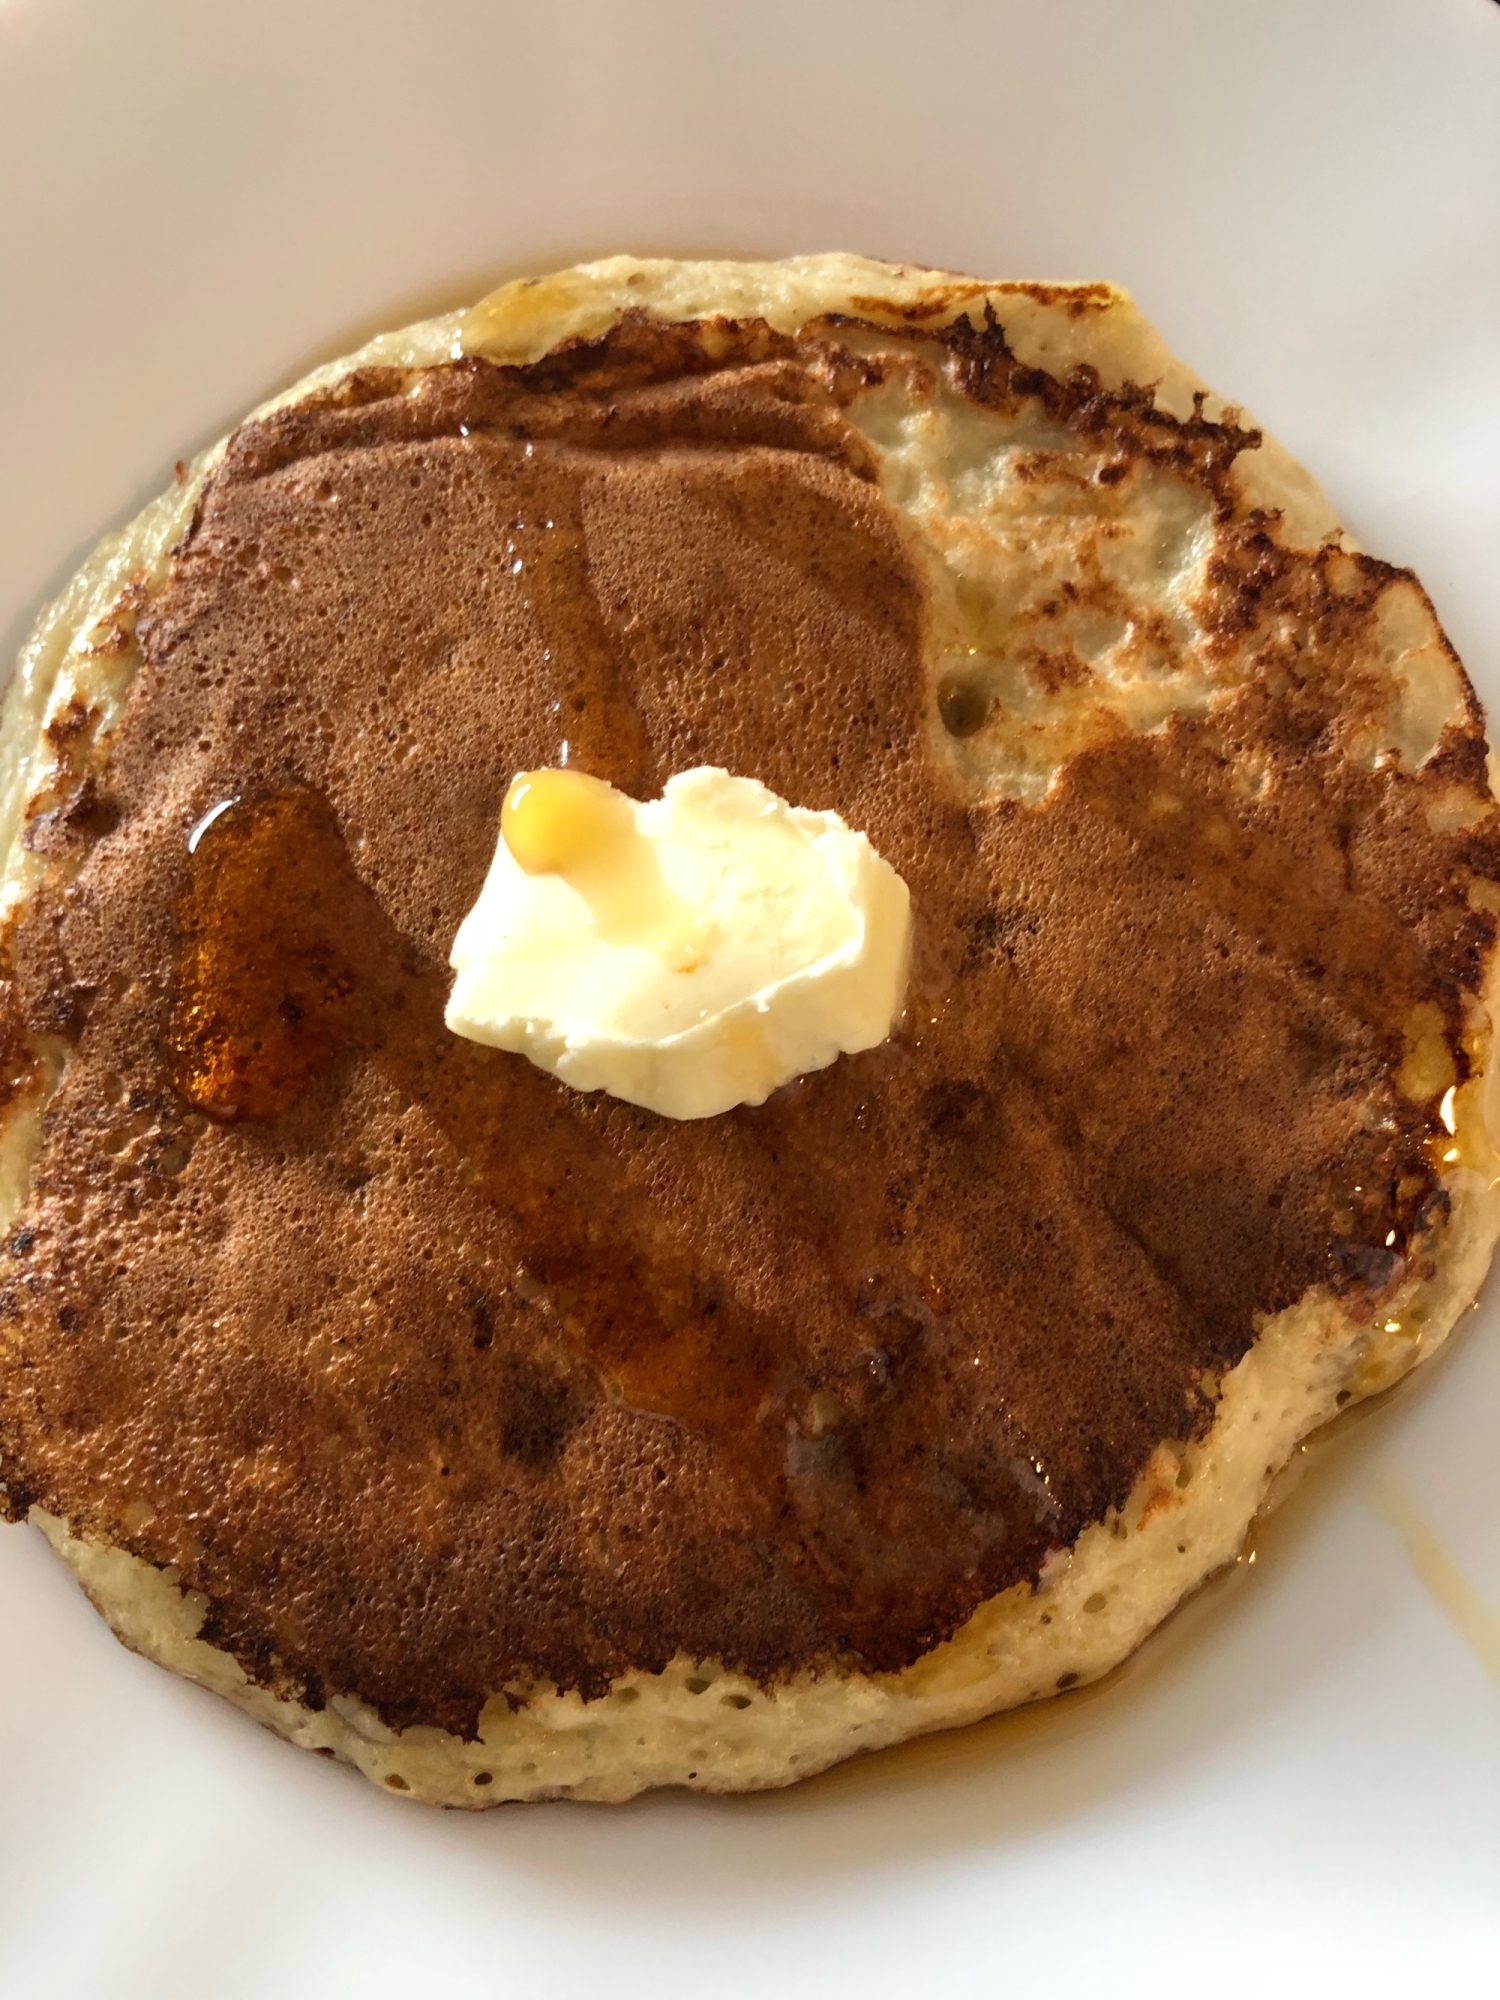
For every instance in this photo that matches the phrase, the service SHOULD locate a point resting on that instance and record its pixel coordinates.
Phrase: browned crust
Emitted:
(478, 1341)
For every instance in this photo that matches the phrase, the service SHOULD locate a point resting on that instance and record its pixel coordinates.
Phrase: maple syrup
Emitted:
(599, 725)
(281, 966)
(1077, 1172)
(262, 991)
(1477, 1622)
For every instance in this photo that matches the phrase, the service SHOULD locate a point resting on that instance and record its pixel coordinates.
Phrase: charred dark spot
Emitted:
(952, 1104)
(61, 1009)
(1314, 1049)
(481, 1313)
(75, 720)
(1056, 670)
(17, 1496)
(91, 813)
(999, 929)
(1369, 1265)
(537, 1413)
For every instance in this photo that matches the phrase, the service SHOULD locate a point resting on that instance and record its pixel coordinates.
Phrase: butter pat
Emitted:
(688, 954)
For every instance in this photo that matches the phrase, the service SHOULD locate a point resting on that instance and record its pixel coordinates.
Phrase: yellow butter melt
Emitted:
(688, 953)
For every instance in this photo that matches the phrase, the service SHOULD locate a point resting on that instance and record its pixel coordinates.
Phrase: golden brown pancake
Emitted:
(514, 1441)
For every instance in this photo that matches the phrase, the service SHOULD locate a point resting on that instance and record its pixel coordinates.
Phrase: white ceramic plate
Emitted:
(1296, 1787)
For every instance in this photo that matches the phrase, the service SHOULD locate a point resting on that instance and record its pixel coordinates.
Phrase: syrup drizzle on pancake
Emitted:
(436, 1377)
(598, 724)
(263, 996)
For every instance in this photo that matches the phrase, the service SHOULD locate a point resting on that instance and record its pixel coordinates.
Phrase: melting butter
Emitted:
(689, 953)
(554, 821)
(558, 822)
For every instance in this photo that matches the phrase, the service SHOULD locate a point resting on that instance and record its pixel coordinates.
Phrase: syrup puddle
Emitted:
(1477, 1623)
(264, 993)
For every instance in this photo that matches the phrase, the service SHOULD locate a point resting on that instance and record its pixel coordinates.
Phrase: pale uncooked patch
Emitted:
(947, 469)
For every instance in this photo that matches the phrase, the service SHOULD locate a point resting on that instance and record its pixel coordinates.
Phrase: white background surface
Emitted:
(1296, 1788)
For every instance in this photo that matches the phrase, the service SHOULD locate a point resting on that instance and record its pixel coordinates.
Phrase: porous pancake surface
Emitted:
(441, 1382)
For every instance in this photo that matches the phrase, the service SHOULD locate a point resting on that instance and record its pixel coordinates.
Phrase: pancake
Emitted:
(510, 1442)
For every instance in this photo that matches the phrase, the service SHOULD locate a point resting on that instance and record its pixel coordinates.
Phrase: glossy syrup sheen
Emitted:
(287, 973)
(281, 971)
(416, 1328)
(263, 996)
